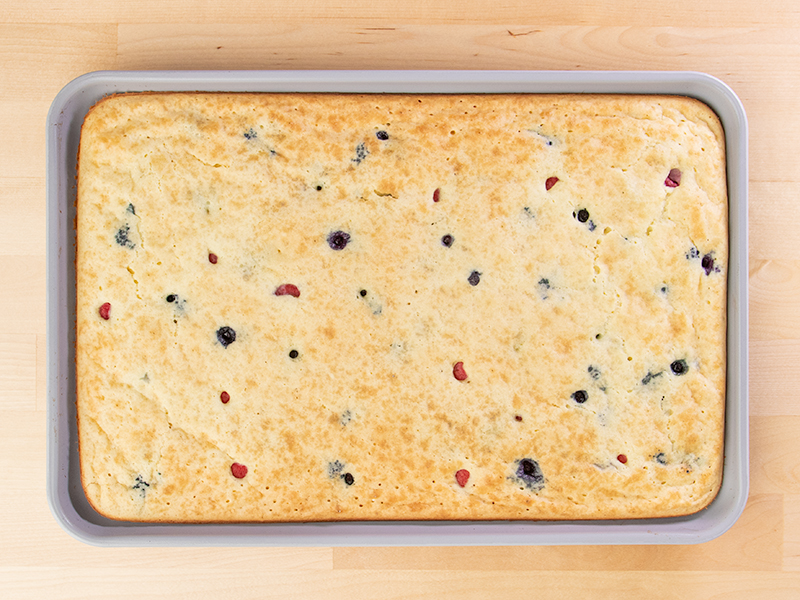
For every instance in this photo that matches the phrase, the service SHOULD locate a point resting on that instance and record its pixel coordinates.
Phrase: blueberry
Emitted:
(338, 240)
(693, 253)
(661, 458)
(707, 263)
(447, 240)
(361, 153)
(226, 336)
(363, 293)
(580, 396)
(474, 278)
(122, 237)
(171, 298)
(529, 471)
(131, 209)
(544, 283)
(679, 367)
(382, 135)
(349, 479)
(294, 354)
(250, 134)
(582, 215)
(319, 188)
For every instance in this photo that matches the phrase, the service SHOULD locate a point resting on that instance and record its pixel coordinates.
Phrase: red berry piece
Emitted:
(225, 397)
(551, 181)
(459, 372)
(212, 258)
(622, 458)
(287, 289)
(436, 193)
(518, 417)
(462, 476)
(673, 179)
(105, 309)
(238, 471)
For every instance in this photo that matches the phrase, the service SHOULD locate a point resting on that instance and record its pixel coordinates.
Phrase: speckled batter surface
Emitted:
(339, 307)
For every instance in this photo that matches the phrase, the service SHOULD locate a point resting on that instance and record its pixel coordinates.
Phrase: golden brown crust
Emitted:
(596, 283)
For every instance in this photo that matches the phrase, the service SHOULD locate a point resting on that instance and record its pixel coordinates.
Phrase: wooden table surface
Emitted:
(752, 45)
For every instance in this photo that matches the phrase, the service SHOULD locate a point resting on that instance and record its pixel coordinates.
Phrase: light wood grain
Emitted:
(752, 46)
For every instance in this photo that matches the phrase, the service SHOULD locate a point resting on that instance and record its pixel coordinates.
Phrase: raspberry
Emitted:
(462, 476)
(287, 289)
(105, 309)
(238, 471)
(551, 181)
(459, 372)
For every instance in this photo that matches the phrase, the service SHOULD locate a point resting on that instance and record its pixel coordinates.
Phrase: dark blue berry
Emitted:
(530, 473)
(363, 293)
(679, 367)
(447, 240)
(349, 479)
(580, 396)
(131, 209)
(172, 298)
(294, 354)
(338, 240)
(226, 336)
(474, 278)
(582, 215)
(707, 263)
(661, 458)
(250, 134)
(382, 135)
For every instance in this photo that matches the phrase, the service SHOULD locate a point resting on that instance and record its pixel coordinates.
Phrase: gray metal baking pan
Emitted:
(65, 493)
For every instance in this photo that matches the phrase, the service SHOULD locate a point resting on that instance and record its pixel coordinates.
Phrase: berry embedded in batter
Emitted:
(673, 180)
(580, 396)
(238, 471)
(226, 336)
(225, 397)
(287, 289)
(582, 215)
(171, 298)
(447, 240)
(622, 458)
(679, 367)
(382, 135)
(250, 134)
(530, 473)
(105, 310)
(551, 181)
(349, 479)
(462, 476)
(459, 372)
(362, 293)
(293, 354)
(338, 240)
(707, 263)
(474, 278)
(212, 258)
(436, 194)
